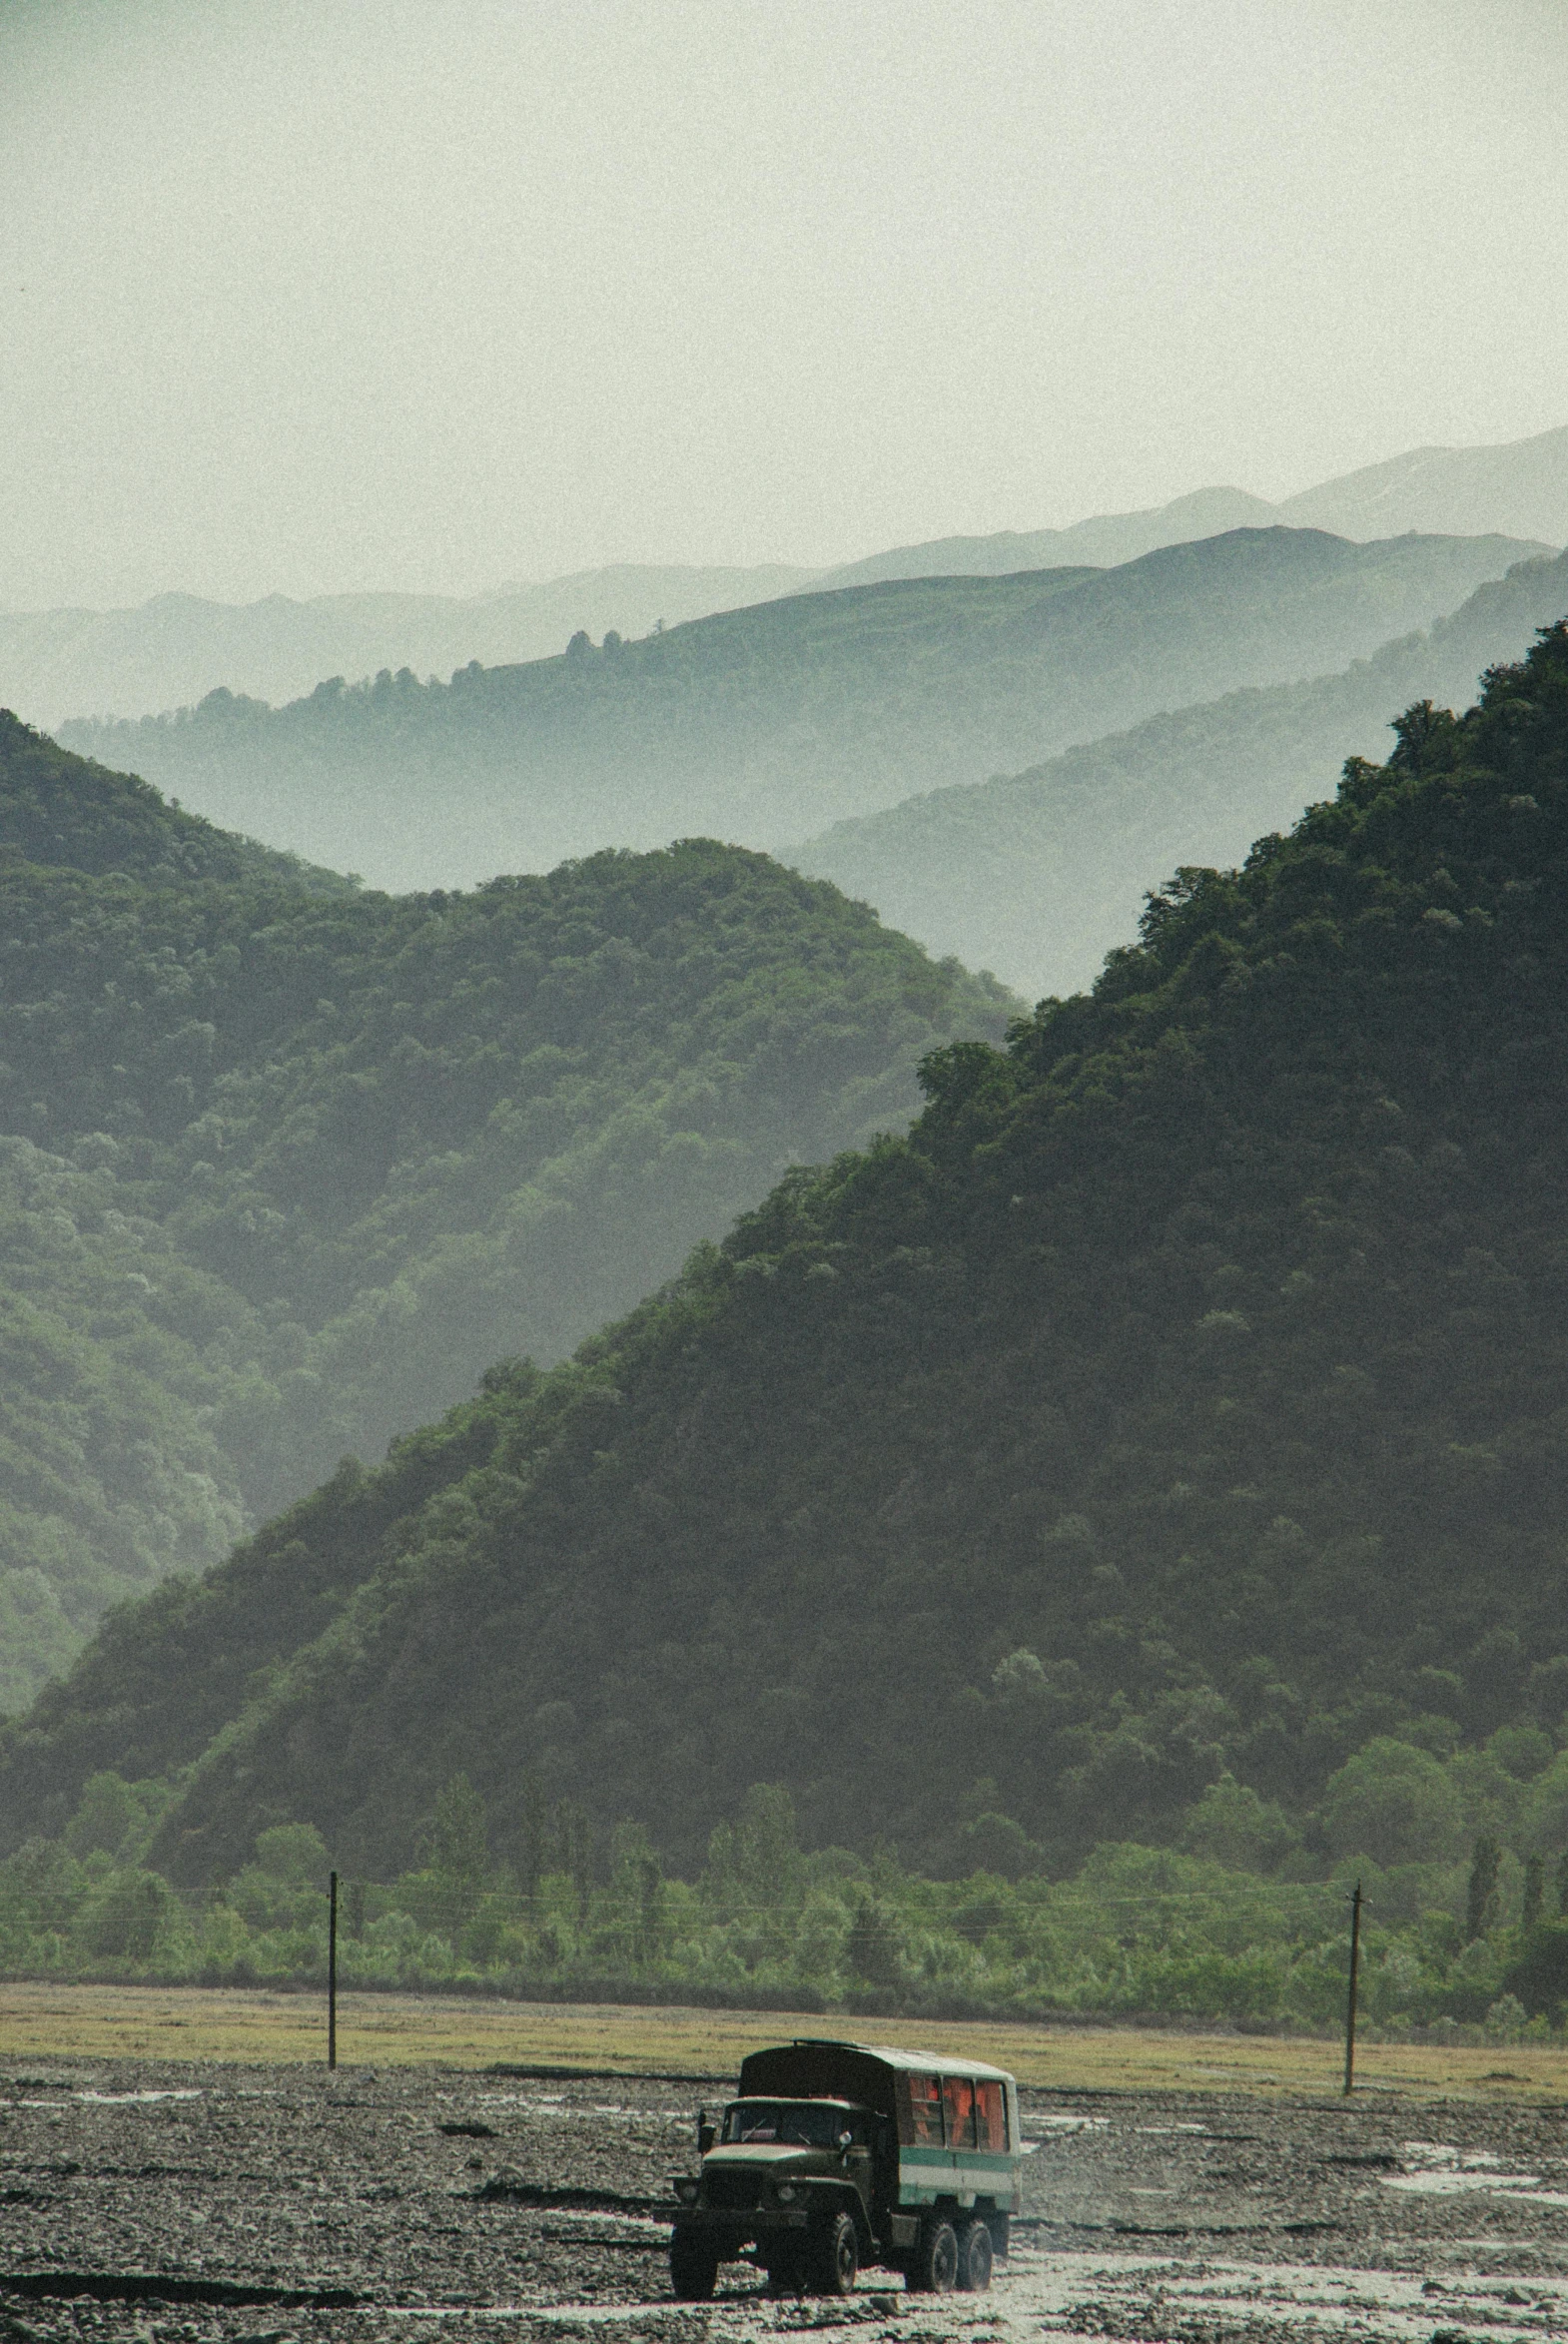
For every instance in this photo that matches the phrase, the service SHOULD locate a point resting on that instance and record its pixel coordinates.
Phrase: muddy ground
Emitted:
(202, 2201)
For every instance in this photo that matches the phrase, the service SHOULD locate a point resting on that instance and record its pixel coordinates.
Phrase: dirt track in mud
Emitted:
(199, 2201)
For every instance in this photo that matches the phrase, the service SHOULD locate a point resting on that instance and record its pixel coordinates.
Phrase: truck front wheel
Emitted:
(974, 2257)
(694, 2267)
(837, 2256)
(933, 2267)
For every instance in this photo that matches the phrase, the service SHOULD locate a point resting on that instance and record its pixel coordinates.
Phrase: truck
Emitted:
(835, 2156)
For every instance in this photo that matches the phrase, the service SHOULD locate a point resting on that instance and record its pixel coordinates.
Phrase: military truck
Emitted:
(838, 2154)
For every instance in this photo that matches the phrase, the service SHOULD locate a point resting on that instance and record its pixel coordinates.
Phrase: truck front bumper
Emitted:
(729, 2229)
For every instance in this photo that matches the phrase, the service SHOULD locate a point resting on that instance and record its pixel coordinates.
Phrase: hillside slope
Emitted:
(1039, 874)
(760, 725)
(59, 808)
(282, 1170)
(1188, 1389)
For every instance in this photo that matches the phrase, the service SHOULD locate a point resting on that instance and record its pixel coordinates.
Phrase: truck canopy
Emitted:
(821, 2069)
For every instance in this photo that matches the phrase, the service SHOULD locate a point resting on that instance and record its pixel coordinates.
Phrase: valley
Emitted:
(197, 2200)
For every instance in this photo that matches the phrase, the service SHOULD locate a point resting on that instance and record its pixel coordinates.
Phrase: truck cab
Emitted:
(838, 2154)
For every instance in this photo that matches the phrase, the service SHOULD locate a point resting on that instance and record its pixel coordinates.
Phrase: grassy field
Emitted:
(152, 2022)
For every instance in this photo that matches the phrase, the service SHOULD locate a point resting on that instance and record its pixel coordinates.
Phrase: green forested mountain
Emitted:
(1184, 1392)
(1038, 875)
(284, 1167)
(763, 724)
(56, 807)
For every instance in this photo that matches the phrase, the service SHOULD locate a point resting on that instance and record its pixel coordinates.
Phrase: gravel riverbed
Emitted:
(201, 2202)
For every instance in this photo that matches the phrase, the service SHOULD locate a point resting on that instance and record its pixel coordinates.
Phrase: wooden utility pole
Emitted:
(332, 1973)
(1355, 1970)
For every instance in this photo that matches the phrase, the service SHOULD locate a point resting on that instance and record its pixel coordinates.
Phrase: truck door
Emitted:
(862, 2168)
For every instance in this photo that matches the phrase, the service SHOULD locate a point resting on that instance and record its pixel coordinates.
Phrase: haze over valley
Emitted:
(763, 724)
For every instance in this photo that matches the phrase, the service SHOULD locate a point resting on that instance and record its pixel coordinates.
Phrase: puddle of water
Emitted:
(1441, 2153)
(1141, 2295)
(117, 2100)
(554, 2106)
(644, 2225)
(1440, 2171)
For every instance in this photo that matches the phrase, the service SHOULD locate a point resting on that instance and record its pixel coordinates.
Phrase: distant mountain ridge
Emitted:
(764, 724)
(170, 652)
(174, 649)
(1038, 875)
(1519, 489)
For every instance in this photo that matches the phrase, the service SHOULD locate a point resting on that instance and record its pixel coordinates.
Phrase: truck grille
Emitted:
(731, 2189)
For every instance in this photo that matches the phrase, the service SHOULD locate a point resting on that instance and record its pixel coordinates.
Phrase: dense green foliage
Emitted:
(289, 1168)
(1234, 1922)
(763, 724)
(1039, 875)
(1183, 1395)
(56, 807)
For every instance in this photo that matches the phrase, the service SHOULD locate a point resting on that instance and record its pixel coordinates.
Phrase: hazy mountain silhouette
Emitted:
(1522, 488)
(177, 648)
(1519, 489)
(762, 725)
(171, 652)
(1037, 875)
(1102, 543)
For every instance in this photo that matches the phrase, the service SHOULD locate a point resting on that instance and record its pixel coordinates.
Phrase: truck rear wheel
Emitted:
(974, 2257)
(694, 2267)
(933, 2267)
(836, 2256)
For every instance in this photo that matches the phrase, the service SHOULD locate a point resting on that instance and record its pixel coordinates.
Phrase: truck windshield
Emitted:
(802, 2123)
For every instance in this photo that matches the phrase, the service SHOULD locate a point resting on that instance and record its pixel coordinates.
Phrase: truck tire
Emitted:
(835, 2259)
(694, 2267)
(974, 2257)
(933, 2267)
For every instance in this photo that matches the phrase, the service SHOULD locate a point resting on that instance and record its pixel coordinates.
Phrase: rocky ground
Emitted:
(200, 2202)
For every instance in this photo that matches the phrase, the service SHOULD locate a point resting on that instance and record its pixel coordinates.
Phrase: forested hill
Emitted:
(1188, 1389)
(1038, 875)
(282, 1170)
(761, 725)
(59, 808)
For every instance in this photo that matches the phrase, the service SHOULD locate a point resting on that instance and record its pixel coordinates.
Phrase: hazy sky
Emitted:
(434, 293)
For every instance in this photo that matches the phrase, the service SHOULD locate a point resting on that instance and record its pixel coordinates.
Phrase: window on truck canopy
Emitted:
(958, 2102)
(800, 2124)
(991, 2118)
(920, 2111)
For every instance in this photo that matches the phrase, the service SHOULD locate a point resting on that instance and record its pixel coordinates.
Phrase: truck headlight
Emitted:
(786, 2193)
(686, 2191)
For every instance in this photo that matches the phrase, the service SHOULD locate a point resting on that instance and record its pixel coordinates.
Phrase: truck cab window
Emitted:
(799, 2123)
